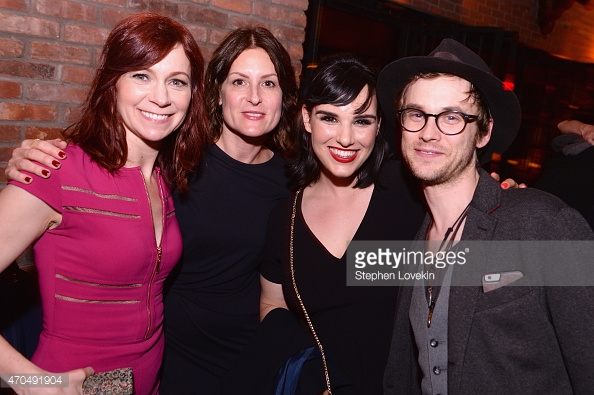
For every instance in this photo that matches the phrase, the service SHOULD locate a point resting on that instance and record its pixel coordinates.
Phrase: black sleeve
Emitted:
(277, 241)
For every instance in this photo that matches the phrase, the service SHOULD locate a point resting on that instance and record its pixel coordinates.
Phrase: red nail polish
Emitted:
(62, 154)
(45, 173)
(27, 179)
(504, 185)
(55, 163)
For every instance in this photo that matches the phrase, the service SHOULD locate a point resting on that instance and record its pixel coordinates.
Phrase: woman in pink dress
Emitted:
(104, 227)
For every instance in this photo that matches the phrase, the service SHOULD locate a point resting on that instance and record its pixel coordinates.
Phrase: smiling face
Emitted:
(251, 97)
(153, 102)
(433, 157)
(341, 138)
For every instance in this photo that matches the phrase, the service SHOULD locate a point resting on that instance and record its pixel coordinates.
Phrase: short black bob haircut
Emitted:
(337, 81)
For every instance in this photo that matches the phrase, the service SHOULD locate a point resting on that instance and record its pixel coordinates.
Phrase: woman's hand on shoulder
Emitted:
(30, 154)
(508, 183)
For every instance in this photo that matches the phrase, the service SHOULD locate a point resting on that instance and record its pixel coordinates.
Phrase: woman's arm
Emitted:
(23, 219)
(23, 158)
(271, 297)
(12, 363)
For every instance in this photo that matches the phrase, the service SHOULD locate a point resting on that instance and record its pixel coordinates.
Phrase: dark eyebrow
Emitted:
(444, 109)
(357, 117)
(246, 76)
(328, 113)
(366, 116)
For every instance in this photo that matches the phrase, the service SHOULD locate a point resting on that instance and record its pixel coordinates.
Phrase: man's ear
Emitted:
(305, 115)
(482, 141)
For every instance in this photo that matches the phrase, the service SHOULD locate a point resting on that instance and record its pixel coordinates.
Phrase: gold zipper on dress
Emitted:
(159, 250)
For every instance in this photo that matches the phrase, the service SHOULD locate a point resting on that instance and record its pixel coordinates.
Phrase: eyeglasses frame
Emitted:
(467, 119)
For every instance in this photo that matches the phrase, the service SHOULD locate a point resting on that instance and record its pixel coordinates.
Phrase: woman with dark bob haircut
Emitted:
(338, 85)
(348, 190)
(104, 226)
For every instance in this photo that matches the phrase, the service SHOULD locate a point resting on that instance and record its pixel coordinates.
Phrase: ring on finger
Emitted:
(33, 143)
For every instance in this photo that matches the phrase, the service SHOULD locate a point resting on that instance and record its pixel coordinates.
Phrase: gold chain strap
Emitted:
(313, 331)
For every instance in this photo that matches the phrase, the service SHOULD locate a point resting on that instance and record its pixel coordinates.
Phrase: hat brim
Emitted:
(503, 104)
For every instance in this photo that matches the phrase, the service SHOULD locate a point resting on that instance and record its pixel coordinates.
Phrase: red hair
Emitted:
(136, 43)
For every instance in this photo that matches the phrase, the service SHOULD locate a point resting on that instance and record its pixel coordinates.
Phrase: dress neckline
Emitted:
(318, 241)
(217, 151)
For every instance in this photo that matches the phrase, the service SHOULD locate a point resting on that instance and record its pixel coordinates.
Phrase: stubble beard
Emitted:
(445, 173)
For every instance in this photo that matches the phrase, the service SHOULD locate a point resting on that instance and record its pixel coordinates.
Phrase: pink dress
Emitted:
(100, 271)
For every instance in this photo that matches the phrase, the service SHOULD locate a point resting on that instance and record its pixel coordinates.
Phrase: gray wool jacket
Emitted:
(516, 339)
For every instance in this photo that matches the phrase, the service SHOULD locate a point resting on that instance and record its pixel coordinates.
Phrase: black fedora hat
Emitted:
(451, 57)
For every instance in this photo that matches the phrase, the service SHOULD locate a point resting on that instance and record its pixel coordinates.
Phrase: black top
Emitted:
(212, 305)
(354, 324)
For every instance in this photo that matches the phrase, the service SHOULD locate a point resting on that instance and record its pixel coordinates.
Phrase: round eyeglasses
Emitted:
(448, 122)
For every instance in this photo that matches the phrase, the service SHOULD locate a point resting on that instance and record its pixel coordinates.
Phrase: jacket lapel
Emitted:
(480, 225)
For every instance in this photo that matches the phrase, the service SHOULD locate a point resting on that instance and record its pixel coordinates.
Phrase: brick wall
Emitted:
(571, 38)
(48, 50)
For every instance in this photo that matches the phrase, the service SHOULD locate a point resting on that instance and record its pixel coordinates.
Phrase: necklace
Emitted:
(309, 323)
(432, 291)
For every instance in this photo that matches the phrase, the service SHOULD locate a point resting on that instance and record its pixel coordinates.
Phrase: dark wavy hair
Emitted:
(337, 81)
(282, 138)
(136, 43)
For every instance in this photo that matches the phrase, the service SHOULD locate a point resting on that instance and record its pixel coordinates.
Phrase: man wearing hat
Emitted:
(454, 113)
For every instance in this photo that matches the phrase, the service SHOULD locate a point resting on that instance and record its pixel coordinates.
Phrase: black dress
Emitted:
(212, 303)
(354, 324)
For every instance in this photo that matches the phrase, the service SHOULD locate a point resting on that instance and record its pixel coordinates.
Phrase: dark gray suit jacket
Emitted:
(516, 339)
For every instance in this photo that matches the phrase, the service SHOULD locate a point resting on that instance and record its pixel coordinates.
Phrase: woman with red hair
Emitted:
(104, 227)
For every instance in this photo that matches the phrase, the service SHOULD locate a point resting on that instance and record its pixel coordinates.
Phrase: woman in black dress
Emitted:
(211, 308)
(347, 190)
